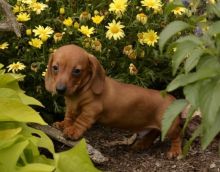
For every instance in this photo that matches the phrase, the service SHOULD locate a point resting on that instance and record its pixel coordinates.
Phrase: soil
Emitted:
(123, 159)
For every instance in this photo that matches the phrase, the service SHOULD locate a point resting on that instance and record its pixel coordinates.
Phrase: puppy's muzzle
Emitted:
(61, 88)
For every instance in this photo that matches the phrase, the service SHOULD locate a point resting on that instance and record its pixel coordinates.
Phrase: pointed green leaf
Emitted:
(29, 100)
(193, 59)
(214, 28)
(170, 30)
(36, 167)
(74, 160)
(183, 51)
(9, 133)
(170, 115)
(7, 161)
(11, 110)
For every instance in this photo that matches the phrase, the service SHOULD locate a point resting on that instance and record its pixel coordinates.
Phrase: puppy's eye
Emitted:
(76, 72)
(55, 68)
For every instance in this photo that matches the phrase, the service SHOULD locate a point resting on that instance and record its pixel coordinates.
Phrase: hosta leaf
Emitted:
(170, 30)
(9, 156)
(192, 38)
(74, 160)
(11, 110)
(9, 133)
(171, 113)
(36, 167)
(29, 100)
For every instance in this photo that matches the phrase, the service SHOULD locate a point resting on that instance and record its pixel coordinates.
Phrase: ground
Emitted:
(123, 159)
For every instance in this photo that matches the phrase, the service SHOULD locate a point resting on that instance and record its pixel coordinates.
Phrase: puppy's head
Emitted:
(71, 69)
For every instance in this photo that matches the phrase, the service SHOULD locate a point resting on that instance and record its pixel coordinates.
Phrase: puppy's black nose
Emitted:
(61, 88)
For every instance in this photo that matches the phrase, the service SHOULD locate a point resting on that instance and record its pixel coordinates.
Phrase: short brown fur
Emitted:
(92, 97)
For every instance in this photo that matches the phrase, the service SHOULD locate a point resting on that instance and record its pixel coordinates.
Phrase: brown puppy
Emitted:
(90, 96)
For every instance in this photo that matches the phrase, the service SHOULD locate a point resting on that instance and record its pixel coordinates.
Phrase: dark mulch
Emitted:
(123, 159)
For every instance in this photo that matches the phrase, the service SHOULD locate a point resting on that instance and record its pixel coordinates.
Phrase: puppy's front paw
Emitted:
(59, 125)
(174, 153)
(72, 133)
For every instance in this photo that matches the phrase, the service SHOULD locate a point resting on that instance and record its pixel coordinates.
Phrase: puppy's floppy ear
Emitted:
(98, 75)
(48, 76)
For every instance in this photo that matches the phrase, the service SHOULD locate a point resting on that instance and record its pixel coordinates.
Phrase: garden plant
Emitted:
(171, 45)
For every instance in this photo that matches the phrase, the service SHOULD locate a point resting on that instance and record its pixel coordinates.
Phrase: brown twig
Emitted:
(95, 155)
(10, 24)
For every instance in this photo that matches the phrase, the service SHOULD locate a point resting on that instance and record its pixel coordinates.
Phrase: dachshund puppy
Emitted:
(91, 96)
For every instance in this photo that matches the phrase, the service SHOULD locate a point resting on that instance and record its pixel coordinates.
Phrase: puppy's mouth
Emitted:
(63, 90)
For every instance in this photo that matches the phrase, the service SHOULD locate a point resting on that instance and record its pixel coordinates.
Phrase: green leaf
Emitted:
(191, 93)
(214, 28)
(36, 167)
(74, 160)
(193, 59)
(171, 113)
(209, 104)
(1, 66)
(8, 93)
(9, 156)
(170, 30)
(185, 79)
(192, 38)
(9, 133)
(29, 100)
(11, 110)
(183, 51)
(8, 81)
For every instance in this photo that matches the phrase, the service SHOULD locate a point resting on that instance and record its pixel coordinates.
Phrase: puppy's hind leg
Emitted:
(145, 140)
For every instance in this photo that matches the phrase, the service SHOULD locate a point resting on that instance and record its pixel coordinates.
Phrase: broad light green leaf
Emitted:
(9, 133)
(74, 160)
(8, 93)
(9, 156)
(192, 38)
(171, 113)
(8, 81)
(1, 66)
(29, 100)
(170, 30)
(43, 140)
(183, 51)
(11, 110)
(36, 167)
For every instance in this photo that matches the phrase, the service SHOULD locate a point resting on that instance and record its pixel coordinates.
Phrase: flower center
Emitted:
(114, 29)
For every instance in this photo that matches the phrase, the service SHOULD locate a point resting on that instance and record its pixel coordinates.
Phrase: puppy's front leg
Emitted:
(84, 121)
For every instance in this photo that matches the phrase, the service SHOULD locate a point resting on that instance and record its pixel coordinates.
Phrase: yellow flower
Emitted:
(97, 19)
(36, 42)
(28, 32)
(84, 16)
(62, 10)
(23, 17)
(4, 45)
(43, 33)
(96, 45)
(85, 30)
(154, 4)
(150, 37)
(38, 7)
(141, 17)
(14, 67)
(18, 8)
(141, 38)
(68, 22)
(179, 10)
(28, 2)
(57, 37)
(118, 7)
(115, 30)
(132, 69)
